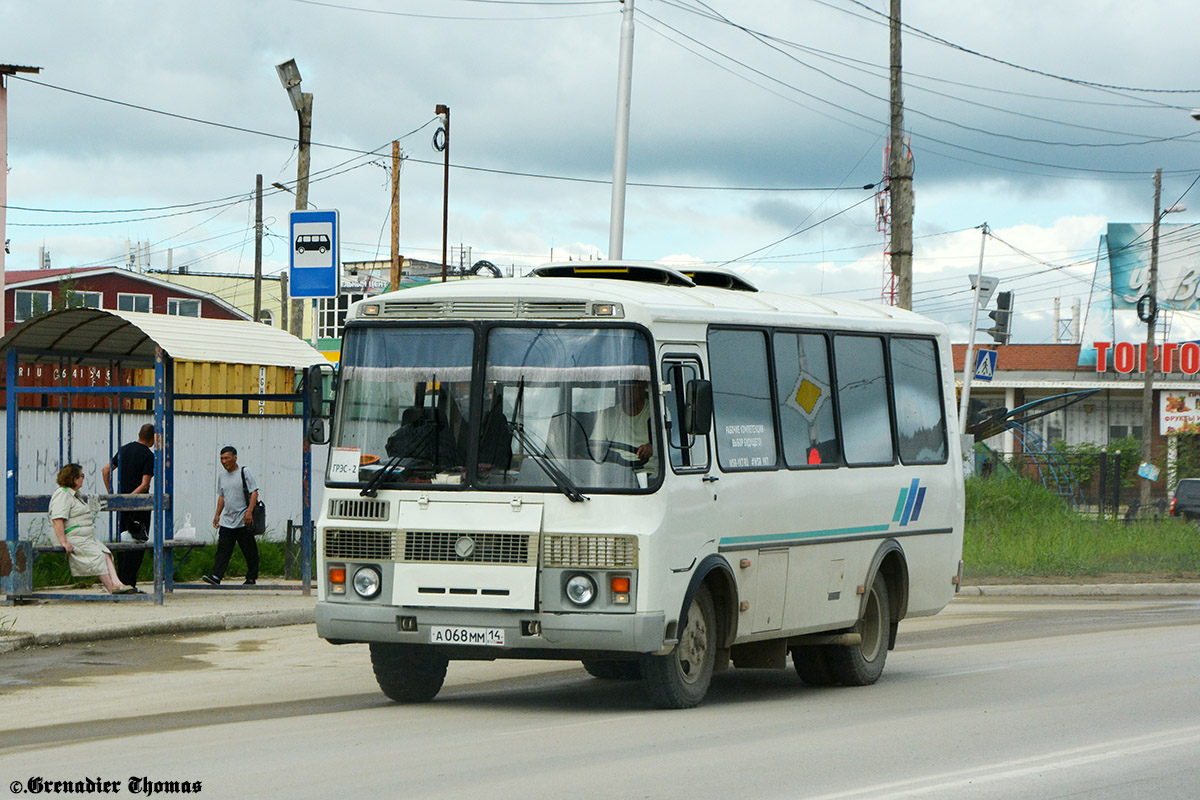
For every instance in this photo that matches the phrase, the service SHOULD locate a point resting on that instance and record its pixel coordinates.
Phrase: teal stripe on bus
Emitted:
(900, 505)
(774, 537)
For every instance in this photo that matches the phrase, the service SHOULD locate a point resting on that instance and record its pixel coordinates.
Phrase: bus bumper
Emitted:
(576, 632)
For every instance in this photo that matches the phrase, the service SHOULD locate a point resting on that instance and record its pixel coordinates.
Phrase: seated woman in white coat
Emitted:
(74, 525)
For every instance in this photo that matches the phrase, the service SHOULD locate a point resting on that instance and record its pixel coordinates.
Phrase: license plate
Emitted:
(490, 637)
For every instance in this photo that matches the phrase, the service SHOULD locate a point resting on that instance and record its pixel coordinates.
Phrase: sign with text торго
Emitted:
(1178, 409)
(315, 266)
(1178, 284)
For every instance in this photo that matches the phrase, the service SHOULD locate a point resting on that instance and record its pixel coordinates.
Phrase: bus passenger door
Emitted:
(692, 493)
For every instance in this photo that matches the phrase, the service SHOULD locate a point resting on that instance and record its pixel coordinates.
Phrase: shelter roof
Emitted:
(100, 336)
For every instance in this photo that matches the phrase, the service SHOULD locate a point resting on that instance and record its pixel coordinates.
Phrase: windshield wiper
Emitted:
(369, 490)
(563, 483)
(414, 444)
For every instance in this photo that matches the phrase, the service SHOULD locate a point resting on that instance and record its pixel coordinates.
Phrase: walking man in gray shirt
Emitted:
(234, 519)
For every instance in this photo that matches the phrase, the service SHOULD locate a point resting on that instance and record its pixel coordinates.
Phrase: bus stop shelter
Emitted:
(121, 344)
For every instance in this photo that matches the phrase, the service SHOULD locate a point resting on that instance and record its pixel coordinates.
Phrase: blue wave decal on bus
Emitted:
(908, 504)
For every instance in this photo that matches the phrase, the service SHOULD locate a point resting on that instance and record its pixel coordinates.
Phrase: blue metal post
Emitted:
(160, 380)
(306, 533)
(166, 454)
(10, 396)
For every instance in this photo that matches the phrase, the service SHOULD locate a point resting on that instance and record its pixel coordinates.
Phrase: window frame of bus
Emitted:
(941, 399)
(839, 457)
(885, 354)
(682, 361)
(768, 355)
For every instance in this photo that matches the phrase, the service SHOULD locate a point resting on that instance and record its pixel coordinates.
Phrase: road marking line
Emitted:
(1071, 758)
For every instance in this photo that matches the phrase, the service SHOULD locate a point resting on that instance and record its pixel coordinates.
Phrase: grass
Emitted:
(1017, 529)
(51, 569)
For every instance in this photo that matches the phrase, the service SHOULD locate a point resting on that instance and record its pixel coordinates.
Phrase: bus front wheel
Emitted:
(680, 679)
(862, 664)
(408, 674)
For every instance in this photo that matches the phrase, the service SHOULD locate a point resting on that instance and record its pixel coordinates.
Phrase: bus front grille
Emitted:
(376, 510)
(460, 547)
(599, 552)
(359, 545)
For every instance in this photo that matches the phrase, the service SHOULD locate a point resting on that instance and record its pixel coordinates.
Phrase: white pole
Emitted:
(616, 222)
(968, 363)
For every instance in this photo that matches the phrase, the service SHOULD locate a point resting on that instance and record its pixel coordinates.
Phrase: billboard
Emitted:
(1178, 412)
(1178, 264)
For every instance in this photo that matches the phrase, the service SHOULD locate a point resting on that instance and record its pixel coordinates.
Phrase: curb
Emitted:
(226, 621)
(1084, 590)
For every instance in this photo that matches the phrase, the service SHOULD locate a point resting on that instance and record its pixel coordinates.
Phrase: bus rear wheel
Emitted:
(407, 673)
(862, 664)
(680, 679)
(812, 665)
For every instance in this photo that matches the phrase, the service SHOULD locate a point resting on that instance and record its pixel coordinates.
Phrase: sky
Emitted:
(754, 127)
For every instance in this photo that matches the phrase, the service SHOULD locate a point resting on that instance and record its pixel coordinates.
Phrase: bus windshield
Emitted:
(578, 397)
(404, 402)
(566, 409)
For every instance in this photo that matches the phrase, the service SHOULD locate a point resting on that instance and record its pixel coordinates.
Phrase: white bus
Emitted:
(653, 472)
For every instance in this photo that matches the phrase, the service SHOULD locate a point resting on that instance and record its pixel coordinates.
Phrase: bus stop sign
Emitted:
(314, 265)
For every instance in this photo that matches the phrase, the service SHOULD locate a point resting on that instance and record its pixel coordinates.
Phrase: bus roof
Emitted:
(567, 296)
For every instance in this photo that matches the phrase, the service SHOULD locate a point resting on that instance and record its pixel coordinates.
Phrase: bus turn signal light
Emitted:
(620, 589)
(337, 580)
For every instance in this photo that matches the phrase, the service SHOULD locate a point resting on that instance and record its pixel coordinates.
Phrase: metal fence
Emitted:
(1102, 484)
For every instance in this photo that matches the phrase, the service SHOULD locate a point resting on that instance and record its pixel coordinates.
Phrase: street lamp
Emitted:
(289, 76)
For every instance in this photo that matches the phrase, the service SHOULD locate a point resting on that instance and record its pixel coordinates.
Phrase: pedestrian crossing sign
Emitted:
(985, 365)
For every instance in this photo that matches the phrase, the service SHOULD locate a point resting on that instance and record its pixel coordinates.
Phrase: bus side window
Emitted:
(802, 391)
(688, 452)
(917, 394)
(743, 418)
(862, 394)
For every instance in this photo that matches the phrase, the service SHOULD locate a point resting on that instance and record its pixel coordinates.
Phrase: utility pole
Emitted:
(283, 301)
(395, 273)
(444, 112)
(900, 172)
(302, 166)
(6, 70)
(258, 231)
(616, 221)
(1150, 316)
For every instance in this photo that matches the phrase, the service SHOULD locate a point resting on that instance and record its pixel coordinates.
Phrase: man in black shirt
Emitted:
(135, 468)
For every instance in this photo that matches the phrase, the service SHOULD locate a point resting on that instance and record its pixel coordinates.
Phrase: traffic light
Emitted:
(1001, 330)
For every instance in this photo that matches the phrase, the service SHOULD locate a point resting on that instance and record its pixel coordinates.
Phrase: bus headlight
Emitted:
(581, 589)
(367, 582)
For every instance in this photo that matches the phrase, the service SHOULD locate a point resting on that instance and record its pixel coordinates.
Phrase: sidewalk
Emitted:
(53, 622)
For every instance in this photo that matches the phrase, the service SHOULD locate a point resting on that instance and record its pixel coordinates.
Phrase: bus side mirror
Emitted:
(314, 388)
(317, 433)
(697, 419)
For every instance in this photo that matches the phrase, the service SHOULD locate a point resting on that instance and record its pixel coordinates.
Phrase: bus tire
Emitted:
(408, 674)
(812, 665)
(680, 679)
(862, 664)
(609, 670)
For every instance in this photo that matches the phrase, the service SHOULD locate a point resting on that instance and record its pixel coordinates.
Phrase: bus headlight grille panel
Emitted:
(473, 547)
(596, 552)
(359, 545)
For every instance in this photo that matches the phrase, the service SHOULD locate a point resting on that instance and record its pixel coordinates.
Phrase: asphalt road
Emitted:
(993, 698)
